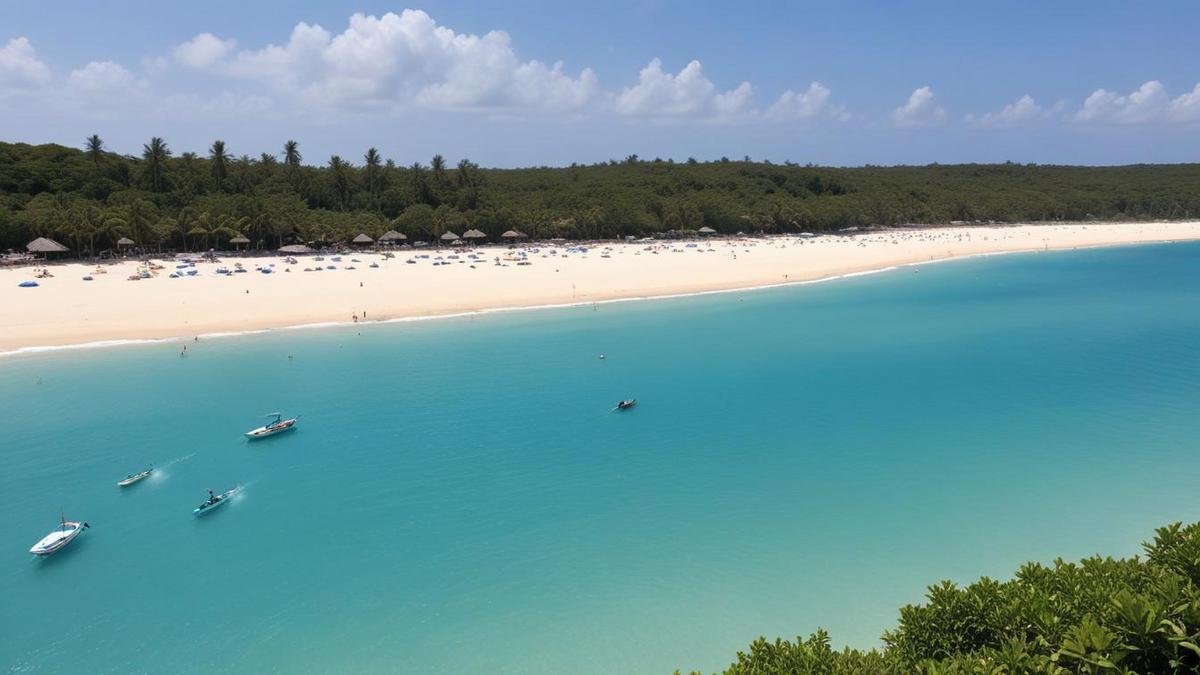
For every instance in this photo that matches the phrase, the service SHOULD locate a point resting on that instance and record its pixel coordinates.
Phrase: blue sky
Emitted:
(525, 82)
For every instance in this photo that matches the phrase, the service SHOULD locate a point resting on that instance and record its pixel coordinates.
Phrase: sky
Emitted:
(527, 82)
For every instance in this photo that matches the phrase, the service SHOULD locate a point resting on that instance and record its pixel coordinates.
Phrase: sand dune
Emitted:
(66, 310)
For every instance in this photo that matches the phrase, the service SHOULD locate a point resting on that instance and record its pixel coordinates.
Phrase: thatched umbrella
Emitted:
(707, 230)
(239, 240)
(295, 249)
(125, 241)
(392, 236)
(362, 239)
(474, 234)
(45, 246)
(514, 234)
(449, 237)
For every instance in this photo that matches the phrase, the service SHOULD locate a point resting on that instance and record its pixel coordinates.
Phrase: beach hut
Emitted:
(392, 236)
(124, 242)
(46, 247)
(474, 235)
(706, 230)
(449, 238)
(239, 240)
(514, 234)
(362, 240)
(295, 249)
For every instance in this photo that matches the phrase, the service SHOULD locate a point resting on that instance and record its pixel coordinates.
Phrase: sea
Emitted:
(459, 495)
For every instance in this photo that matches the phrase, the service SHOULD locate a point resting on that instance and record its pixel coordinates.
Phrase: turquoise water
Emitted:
(458, 497)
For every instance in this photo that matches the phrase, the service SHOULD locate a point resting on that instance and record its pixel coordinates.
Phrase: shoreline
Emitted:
(828, 258)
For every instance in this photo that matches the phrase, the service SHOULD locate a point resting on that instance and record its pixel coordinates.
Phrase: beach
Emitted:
(365, 286)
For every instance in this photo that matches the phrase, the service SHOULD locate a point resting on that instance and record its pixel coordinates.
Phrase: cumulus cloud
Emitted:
(203, 51)
(1148, 103)
(1142, 105)
(399, 59)
(20, 67)
(689, 93)
(921, 110)
(1022, 111)
(809, 104)
(101, 78)
(1185, 108)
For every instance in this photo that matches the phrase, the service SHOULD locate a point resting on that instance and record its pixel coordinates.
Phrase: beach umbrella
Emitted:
(240, 239)
(450, 236)
(474, 234)
(44, 245)
(392, 235)
(707, 230)
(363, 239)
(295, 249)
(125, 241)
(514, 234)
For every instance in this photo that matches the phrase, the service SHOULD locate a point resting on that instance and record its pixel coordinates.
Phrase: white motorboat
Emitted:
(58, 538)
(214, 502)
(134, 477)
(277, 426)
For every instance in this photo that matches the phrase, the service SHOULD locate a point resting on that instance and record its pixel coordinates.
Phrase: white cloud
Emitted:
(806, 105)
(920, 110)
(1185, 108)
(1023, 110)
(406, 59)
(225, 104)
(103, 78)
(686, 94)
(203, 51)
(20, 68)
(1145, 104)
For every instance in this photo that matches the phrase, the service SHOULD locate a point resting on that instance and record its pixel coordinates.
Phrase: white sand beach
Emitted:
(67, 310)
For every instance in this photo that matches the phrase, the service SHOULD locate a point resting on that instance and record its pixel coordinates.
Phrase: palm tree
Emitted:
(372, 160)
(291, 154)
(341, 182)
(139, 218)
(95, 149)
(438, 165)
(155, 153)
(219, 163)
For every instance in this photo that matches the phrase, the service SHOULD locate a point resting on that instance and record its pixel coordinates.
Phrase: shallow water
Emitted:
(459, 497)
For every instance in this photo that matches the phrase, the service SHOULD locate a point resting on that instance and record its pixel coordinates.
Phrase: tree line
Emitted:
(88, 198)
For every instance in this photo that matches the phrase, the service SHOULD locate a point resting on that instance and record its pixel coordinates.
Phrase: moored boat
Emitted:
(278, 425)
(214, 502)
(134, 477)
(58, 538)
(626, 404)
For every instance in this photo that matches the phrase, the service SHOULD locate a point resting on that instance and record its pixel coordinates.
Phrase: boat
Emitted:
(626, 404)
(214, 502)
(28, 284)
(134, 478)
(277, 426)
(58, 538)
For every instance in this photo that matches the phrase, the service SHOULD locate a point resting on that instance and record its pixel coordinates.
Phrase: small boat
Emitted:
(58, 538)
(134, 477)
(28, 284)
(278, 425)
(626, 404)
(214, 502)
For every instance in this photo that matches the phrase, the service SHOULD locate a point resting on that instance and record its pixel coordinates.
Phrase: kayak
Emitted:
(133, 478)
(208, 507)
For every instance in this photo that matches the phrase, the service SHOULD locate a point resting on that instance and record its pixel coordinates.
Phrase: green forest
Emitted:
(1100, 615)
(88, 197)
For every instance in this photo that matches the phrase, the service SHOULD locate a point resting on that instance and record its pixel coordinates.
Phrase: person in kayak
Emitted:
(212, 499)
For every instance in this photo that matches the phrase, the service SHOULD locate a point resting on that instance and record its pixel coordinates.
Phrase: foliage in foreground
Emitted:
(1101, 615)
(88, 199)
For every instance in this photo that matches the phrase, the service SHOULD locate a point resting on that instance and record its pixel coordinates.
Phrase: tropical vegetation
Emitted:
(90, 197)
(1100, 615)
